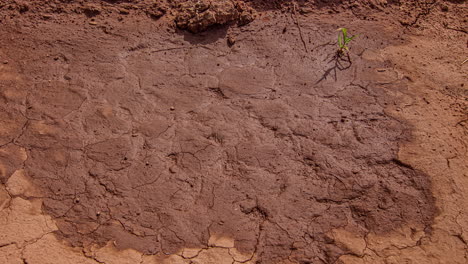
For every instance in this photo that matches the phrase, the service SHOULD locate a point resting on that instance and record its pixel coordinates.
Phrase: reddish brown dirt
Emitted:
(158, 140)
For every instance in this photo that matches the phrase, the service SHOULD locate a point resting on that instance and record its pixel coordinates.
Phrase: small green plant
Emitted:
(343, 41)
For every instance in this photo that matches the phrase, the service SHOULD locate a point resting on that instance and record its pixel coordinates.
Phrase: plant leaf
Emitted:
(340, 41)
(351, 38)
(345, 32)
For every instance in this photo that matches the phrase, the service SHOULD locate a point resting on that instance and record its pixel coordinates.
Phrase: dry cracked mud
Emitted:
(125, 139)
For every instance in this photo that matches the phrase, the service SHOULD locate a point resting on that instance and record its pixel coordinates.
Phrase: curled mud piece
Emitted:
(197, 16)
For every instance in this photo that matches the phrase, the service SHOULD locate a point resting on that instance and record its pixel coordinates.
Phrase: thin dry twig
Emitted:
(299, 27)
(456, 29)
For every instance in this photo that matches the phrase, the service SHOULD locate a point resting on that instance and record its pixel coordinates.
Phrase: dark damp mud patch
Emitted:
(159, 150)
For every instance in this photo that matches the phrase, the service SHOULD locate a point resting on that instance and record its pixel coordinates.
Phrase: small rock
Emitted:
(245, 18)
(306, 10)
(5, 62)
(92, 22)
(231, 41)
(124, 11)
(172, 108)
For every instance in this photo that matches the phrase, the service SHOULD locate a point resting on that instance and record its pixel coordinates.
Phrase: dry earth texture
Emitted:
(212, 132)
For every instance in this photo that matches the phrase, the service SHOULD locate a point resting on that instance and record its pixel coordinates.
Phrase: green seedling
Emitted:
(343, 41)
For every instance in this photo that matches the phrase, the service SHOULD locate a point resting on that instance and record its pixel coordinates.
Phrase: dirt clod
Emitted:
(199, 16)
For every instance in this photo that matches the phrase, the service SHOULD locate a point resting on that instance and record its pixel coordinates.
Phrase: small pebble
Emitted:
(172, 108)
(92, 22)
(231, 41)
(5, 62)
(124, 11)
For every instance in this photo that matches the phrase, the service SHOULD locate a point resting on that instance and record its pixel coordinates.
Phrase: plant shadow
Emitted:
(341, 61)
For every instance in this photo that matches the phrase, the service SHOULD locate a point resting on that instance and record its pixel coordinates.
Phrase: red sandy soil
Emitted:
(233, 132)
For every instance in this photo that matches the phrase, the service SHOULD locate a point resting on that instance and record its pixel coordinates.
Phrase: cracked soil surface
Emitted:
(124, 138)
